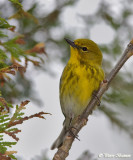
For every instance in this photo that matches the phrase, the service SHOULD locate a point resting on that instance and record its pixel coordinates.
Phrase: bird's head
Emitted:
(85, 51)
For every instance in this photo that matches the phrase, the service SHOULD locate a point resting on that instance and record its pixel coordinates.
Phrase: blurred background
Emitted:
(110, 25)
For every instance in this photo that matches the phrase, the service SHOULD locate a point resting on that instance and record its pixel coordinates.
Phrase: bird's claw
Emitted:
(72, 134)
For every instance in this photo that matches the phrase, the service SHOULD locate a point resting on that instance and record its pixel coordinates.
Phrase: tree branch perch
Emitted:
(63, 151)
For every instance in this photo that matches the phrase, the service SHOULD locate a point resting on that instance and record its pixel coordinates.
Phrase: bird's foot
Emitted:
(72, 134)
(95, 96)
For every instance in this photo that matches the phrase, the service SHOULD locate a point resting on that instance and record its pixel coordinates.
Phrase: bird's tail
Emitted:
(58, 142)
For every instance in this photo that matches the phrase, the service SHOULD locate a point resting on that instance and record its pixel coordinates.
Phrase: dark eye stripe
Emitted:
(84, 49)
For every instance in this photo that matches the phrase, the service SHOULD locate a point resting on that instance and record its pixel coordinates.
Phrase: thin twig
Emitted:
(20, 121)
(63, 151)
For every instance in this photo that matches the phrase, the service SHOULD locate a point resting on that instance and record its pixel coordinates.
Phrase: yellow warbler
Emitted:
(80, 78)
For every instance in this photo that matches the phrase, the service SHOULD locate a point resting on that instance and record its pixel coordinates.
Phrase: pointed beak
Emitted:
(71, 43)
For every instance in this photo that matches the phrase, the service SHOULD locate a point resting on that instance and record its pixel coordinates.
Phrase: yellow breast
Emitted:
(77, 84)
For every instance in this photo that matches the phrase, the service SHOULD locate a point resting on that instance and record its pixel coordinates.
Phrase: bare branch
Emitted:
(39, 115)
(63, 151)
(12, 134)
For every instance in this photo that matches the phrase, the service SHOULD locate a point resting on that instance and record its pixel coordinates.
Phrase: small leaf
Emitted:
(12, 28)
(12, 156)
(16, 3)
(3, 55)
(2, 149)
(21, 13)
(9, 144)
(12, 129)
(24, 103)
(14, 49)
(2, 64)
(2, 35)
(18, 67)
(38, 48)
(20, 41)
(4, 23)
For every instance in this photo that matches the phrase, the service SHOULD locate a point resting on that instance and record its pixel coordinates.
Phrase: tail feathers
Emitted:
(58, 142)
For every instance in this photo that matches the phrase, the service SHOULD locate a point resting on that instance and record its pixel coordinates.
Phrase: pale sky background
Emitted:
(99, 136)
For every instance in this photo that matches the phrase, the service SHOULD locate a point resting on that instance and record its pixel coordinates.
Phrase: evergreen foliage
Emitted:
(11, 55)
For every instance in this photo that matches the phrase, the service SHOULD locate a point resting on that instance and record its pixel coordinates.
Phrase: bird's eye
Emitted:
(84, 49)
